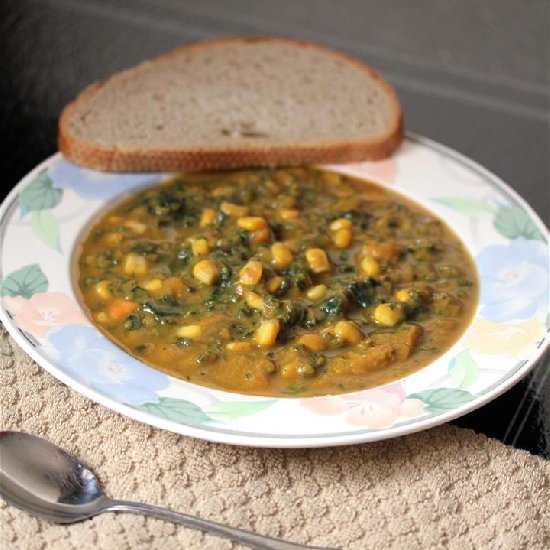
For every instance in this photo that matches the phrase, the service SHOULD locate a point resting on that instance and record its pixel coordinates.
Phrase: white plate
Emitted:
(42, 218)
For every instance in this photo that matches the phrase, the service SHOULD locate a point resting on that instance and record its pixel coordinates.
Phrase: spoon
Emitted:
(43, 480)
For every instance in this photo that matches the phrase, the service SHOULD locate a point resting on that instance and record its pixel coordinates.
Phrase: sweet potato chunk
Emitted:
(403, 341)
(362, 362)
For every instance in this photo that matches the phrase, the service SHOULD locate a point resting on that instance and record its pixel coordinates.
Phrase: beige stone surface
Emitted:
(443, 488)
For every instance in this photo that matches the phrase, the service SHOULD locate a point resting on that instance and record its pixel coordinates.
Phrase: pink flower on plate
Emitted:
(377, 408)
(384, 171)
(44, 311)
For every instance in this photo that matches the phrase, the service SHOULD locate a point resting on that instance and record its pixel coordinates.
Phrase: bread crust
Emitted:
(111, 159)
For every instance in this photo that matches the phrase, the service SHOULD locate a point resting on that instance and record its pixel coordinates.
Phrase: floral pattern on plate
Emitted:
(377, 408)
(515, 279)
(95, 360)
(44, 311)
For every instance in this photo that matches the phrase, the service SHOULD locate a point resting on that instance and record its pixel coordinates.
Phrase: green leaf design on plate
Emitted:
(40, 194)
(46, 228)
(235, 409)
(177, 410)
(464, 370)
(443, 399)
(468, 206)
(512, 223)
(24, 282)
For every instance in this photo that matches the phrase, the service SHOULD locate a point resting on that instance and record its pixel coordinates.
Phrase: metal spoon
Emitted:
(43, 480)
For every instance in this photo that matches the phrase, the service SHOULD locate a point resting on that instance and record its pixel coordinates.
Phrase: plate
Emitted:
(46, 213)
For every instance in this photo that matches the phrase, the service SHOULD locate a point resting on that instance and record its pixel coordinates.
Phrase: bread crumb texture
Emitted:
(232, 103)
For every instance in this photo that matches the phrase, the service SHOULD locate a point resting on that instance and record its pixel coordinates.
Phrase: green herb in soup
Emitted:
(277, 282)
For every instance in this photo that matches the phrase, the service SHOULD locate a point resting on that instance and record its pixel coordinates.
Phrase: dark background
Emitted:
(471, 74)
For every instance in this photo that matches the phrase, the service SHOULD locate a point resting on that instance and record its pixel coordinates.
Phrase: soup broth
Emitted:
(286, 282)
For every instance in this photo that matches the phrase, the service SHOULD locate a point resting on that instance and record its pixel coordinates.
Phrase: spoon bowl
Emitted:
(43, 480)
(39, 477)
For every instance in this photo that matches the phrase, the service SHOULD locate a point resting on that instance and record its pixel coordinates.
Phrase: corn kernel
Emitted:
(316, 293)
(200, 247)
(251, 273)
(251, 223)
(234, 210)
(115, 219)
(259, 236)
(135, 265)
(254, 300)
(153, 285)
(193, 332)
(136, 227)
(340, 223)
(313, 342)
(289, 214)
(342, 238)
(174, 286)
(405, 296)
(318, 260)
(239, 347)
(207, 217)
(206, 271)
(370, 267)
(267, 332)
(102, 290)
(101, 317)
(274, 284)
(388, 315)
(348, 331)
(281, 255)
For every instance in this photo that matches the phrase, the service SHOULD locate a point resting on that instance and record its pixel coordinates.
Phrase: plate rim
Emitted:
(299, 441)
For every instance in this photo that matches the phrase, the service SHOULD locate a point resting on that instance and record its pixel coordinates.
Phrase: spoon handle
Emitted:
(247, 538)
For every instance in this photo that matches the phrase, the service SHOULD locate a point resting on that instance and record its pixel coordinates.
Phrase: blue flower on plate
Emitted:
(514, 279)
(97, 362)
(94, 185)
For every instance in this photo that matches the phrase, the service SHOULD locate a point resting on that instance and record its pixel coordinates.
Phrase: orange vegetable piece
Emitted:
(120, 309)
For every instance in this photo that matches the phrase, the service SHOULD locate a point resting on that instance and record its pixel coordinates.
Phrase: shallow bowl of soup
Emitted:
(279, 307)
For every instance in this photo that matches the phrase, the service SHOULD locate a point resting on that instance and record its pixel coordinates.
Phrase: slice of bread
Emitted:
(233, 103)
